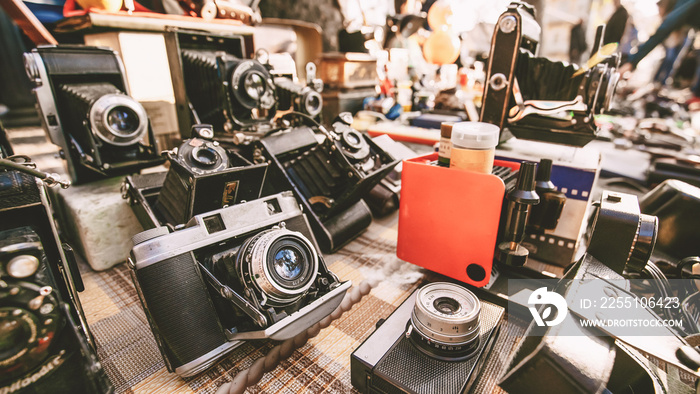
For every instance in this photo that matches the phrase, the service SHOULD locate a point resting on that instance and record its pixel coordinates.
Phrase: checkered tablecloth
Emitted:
(128, 351)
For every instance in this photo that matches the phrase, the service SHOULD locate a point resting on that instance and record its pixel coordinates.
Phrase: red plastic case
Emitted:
(448, 219)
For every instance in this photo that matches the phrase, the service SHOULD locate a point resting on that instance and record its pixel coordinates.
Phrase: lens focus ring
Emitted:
(118, 119)
(282, 264)
(446, 313)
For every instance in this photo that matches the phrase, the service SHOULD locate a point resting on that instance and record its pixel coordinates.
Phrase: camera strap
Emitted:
(28, 167)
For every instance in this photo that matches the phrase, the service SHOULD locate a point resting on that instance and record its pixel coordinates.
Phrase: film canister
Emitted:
(473, 146)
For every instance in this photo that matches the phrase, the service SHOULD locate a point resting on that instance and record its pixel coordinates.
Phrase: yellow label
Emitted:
(476, 160)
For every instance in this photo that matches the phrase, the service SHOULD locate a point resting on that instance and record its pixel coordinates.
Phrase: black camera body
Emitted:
(203, 176)
(436, 341)
(330, 172)
(248, 271)
(44, 338)
(234, 95)
(86, 110)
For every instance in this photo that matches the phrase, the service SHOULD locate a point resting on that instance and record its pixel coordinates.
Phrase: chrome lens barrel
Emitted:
(445, 320)
(281, 263)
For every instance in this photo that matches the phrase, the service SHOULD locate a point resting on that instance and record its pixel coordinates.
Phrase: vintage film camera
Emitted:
(536, 98)
(45, 344)
(248, 271)
(86, 110)
(203, 176)
(240, 97)
(434, 342)
(329, 171)
(234, 94)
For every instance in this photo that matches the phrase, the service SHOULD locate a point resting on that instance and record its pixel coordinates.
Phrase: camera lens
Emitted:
(254, 85)
(281, 263)
(202, 156)
(118, 119)
(447, 306)
(313, 103)
(445, 321)
(14, 332)
(353, 145)
(123, 120)
(205, 156)
(288, 263)
(352, 139)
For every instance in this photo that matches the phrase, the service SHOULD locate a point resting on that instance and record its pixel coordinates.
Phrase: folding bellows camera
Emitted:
(536, 98)
(86, 110)
(330, 171)
(240, 97)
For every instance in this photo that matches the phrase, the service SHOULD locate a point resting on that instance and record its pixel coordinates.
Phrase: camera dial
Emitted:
(280, 263)
(202, 156)
(445, 321)
(118, 119)
(29, 318)
(22, 266)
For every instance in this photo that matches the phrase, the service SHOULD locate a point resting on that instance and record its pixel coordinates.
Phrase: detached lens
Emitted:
(122, 120)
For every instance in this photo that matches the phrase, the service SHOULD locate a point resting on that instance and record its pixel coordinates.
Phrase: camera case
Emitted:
(248, 271)
(233, 94)
(86, 110)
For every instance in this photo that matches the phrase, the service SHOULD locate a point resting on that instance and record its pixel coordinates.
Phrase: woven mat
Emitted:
(132, 361)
